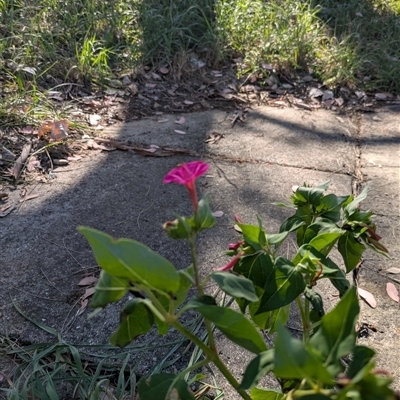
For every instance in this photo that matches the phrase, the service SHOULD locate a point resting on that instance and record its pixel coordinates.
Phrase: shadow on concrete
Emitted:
(121, 193)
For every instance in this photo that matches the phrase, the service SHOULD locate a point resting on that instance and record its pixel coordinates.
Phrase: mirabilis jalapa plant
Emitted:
(326, 364)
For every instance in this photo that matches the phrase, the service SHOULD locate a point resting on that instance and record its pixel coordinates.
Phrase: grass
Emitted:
(44, 45)
(58, 370)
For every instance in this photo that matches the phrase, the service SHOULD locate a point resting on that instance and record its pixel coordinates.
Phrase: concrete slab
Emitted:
(254, 164)
(380, 167)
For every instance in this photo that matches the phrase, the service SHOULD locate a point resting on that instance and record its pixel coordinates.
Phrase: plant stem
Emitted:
(304, 320)
(213, 357)
(200, 291)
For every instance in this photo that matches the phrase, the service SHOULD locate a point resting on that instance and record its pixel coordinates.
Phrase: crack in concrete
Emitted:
(240, 160)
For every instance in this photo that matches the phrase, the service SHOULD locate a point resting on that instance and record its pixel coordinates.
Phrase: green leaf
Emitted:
(330, 206)
(258, 367)
(253, 235)
(317, 396)
(234, 325)
(362, 356)
(329, 268)
(204, 217)
(235, 286)
(262, 394)
(321, 225)
(180, 228)
(126, 258)
(375, 387)
(136, 319)
(174, 301)
(276, 239)
(351, 250)
(285, 284)
(294, 361)
(353, 205)
(109, 289)
(157, 387)
(309, 195)
(291, 224)
(258, 267)
(269, 320)
(316, 301)
(336, 336)
(324, 242)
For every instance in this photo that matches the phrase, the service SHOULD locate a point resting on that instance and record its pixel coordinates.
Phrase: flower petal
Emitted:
(186, 173)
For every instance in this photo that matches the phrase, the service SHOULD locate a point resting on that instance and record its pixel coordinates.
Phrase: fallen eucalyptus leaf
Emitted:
(367, 297)
(392, 292)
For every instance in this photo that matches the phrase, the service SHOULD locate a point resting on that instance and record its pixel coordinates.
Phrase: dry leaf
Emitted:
(218, 214)
(88, 280)
(88, 292)
(29, 197)
(28, 130)
(180, 121)
(188, 102)
(367, 297)
(94, 119)
(150, 85)
(16, 169)
(381, 96)
(163, 120)
(392, 292)
(180, 132)
(393, 270)
(164, 70)
(111, 145)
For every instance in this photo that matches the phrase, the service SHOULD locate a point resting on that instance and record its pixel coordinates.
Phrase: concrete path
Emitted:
(254, 164)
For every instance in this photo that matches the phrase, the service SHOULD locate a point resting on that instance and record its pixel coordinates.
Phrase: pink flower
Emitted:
(235, 246)
(186, 174)
(230, 264)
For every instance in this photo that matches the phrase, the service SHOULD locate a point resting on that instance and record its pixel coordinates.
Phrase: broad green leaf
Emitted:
(291, 224)
(324, 242)
(235, 286)
(126, 258)
(262, 394)
(317, 396)
(351, 250)
(352, 207)
(375, 387)
(329, 268)
(269, 320)
(109, 289)
(330, 206)
(157, 387)
(309, 195)
(172, 302)
(316, 301)
(321, 225)
(253, 235)
(258, 367)
(258, 267)
(235, 326)
(204, 218)
(284, 285)
(294, 361)
(336, 336)
(361, 358)
(276, 239)
(136, 319)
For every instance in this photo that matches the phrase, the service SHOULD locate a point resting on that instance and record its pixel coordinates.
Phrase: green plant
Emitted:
(263, 284)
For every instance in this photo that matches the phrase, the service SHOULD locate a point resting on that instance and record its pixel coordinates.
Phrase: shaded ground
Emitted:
(253, 164)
